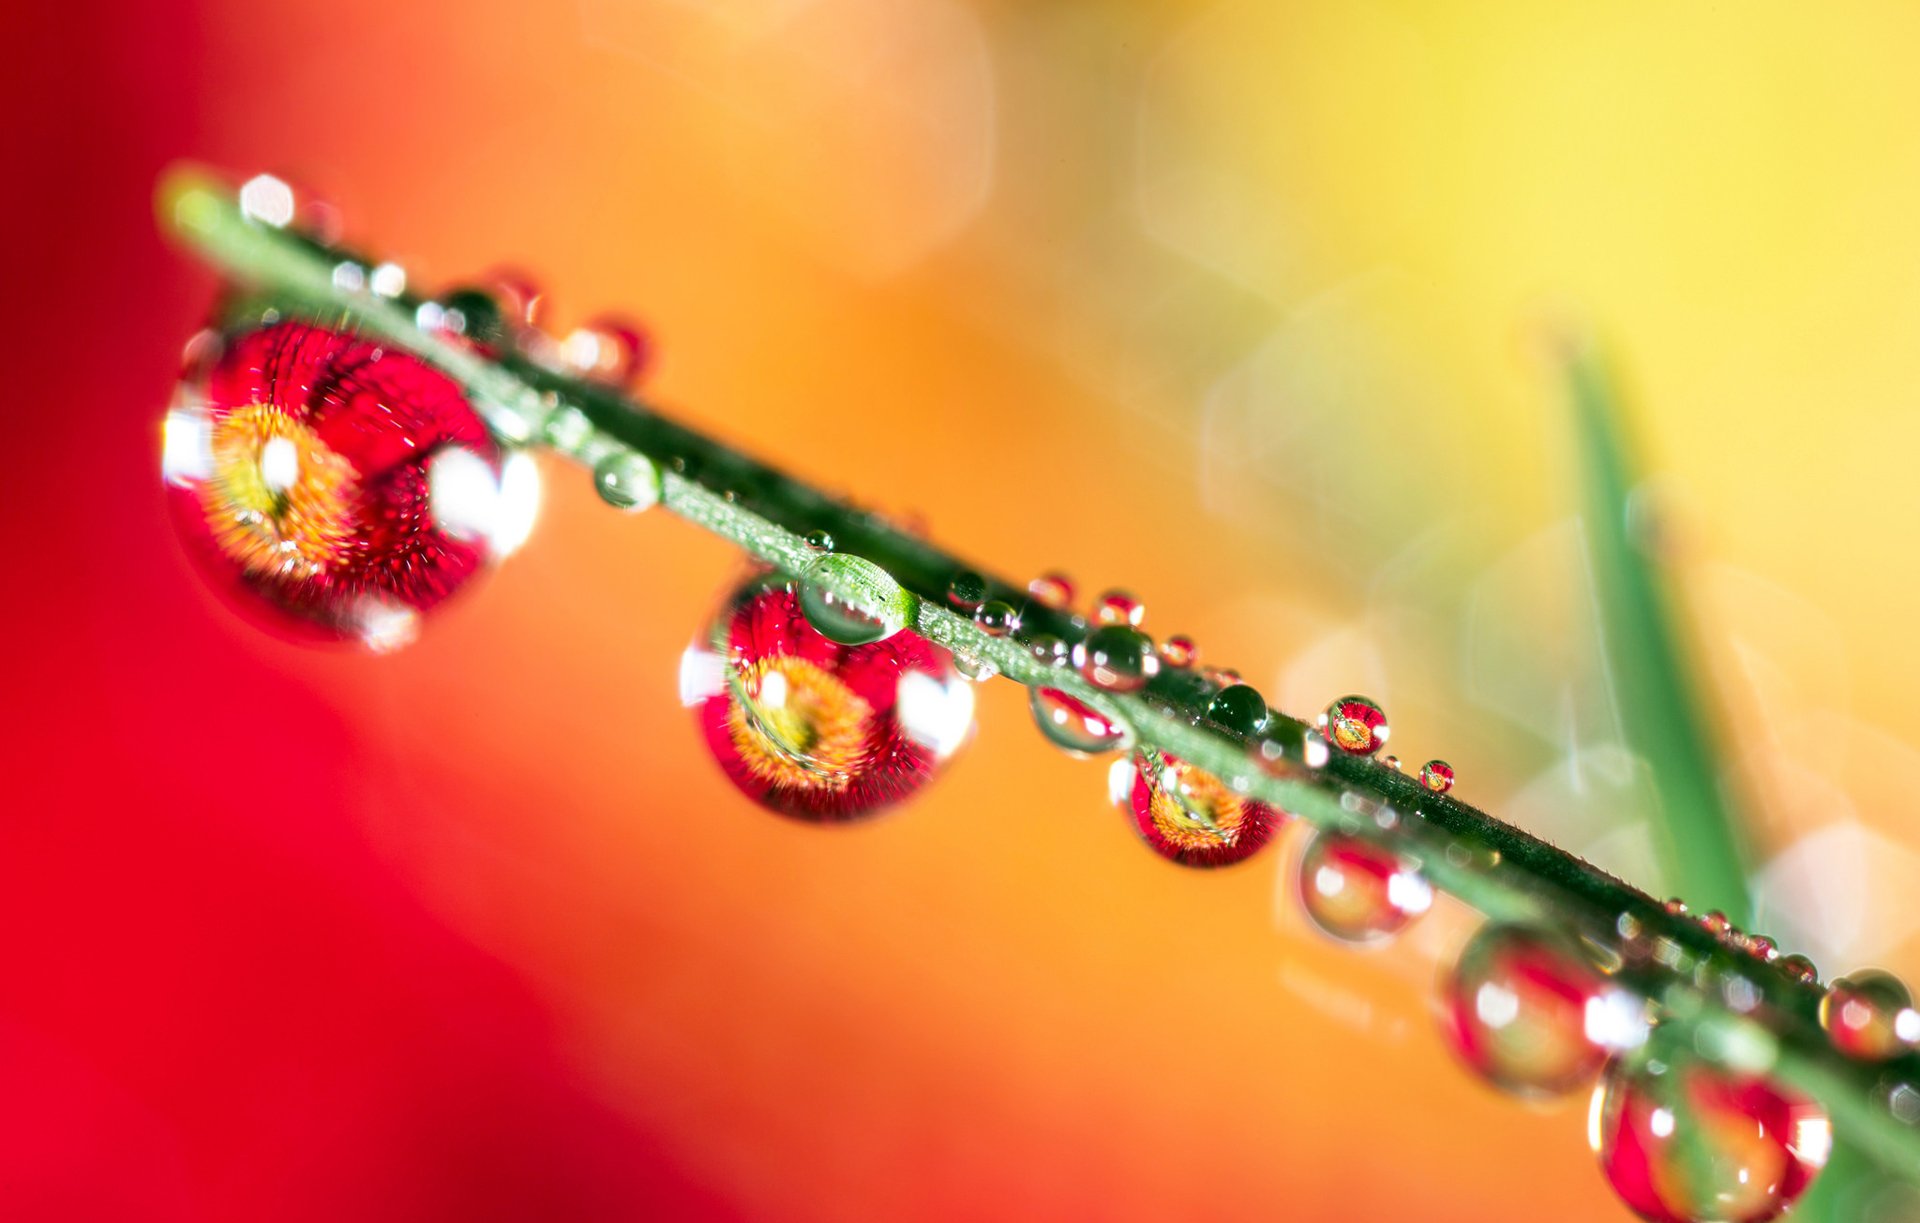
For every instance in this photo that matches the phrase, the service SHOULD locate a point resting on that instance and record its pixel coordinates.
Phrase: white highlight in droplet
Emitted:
(279, 464)
(186, 449)
(463, 493)
(1616, 1019)
(518, 507)
(1496, 1005)
(1409, 892)
(936, 714)
(385, 627)
(388, 280)
(268, 200)
(1120, 781)
(703, 674)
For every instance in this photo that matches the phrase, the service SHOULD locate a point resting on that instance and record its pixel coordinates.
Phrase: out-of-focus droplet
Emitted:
(268, 200)
(1117, 657)
(818, 541)
(1681, 1141)
(1178, 651)
(1053, 591)
(609, 350)
(1869, 1015)
(1118, 607)
(1355, 725)
(1187, 815)
(876, 608)
(627, 480)
(1714, 922)
(1800, 968)
(1240, 709)
(1049, 650)
(343, 487)
(970, 667)
(1290, 751)
(1437, 775)
(1221, 677)
(1517, 1005)
(1760, 947)
(1360, 892)
(967, 591)
(1391, 762)
(996, 618)
(1073, 724)
(813, 728)
(1676, 906)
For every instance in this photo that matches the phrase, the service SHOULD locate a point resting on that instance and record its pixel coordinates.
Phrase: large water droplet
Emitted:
(1239, 709)
(1518, 1004)
(1355, 725)
(1187, 815)
(627, 480)
(1073, 724)
(813, 728)
(967, 591)
(1117, 657)
(337, 489)
(1681, 1141)
(874, 608)
(1360, 892)
(1437, 776)
(1870, 1015)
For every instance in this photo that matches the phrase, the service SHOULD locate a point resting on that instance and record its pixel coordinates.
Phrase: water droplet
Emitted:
(1292, 751)
(818, 541)
(1760, 947)
(1117, 657)
(1073, 724)
(813, 728)
(1677, 906)
(610, 351)
(1715, 922)
(627, 480)
(339, 489)
(1053, 591)
(1049, 650)
(1392, 762)
(1680, 1140)
(979, 670)
(1221, 677)
(997, 618)
(874, 608)
(1357, 891)
(267, 200)
(1118, 607)
(1869, 1015)
(1355, 725)
(967, 591)
(1239, 709)
(1517, 1007)
(1800, 968)
(1187, 815)
(1437, 775)
(1179, 651)
(472, 314)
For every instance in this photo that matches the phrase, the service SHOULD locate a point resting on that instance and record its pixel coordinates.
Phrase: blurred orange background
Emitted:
(1235, 304)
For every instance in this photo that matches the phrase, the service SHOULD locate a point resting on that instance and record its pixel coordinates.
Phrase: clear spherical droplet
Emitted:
(1869, 1015)
(1288, 750)
(1676, 906)
(1179, 651)
(813, 728)
(818, 541)
(1240, 709)
(1391, 762)
(967, 591)
(1714, 922)
(1187, 815)
(339, 487)
(1437, 776)
(1049, 650)
(1517, 1007)
(1118, 607)
(1355, 725)
(627, 480)
(1117, 657)
(997, 618)
(610, 351)
(1052, 590)
(1800, 968)
(1075, 725)
(1681, 1141)
(852, 600)
(1357, 891)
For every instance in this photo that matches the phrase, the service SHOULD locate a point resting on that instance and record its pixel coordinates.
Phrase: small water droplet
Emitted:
(1677, 906)
(977, 669)
(1869, 1015)
(1392, 762)
(1800, 968)
(627, 480)
(996, 618)
(875, 607)
(1239, 709)
(1679, 1139)
(610, 351)
(1053, 591)
(1221, 677)
(818, 541)
(1437, 776)
(1517, 1007)
(967, 591)
(1119, 607)
(1187, 815)
(1049, 650)
(1178, 651)
(1358, 891)
(1292, 751)
(1355, 725)
(1073, 724)
(1714, 922)
(1117, 657)
(1760, 947)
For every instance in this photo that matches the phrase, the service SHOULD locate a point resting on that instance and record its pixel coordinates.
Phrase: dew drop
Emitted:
(1049, 650)
(1715, 922)
(1676, 906)
(1221, 677)
(1119, 607)
(967, 591)
(1681, 1141)
(1437, 776)
(996, 618)
(1117, 657)
(1178, 651)
(813, 728)
(1239, 709)
(1869, 1015)
(877, 608)
(610, 351)
(1392, 762)
(1800, 968)
(818, 541)
(1355, 725)
(1291, 752)
(977, 669)
(1187, 815)
(627, 480)
(1073, 724)
(1517, 1005)
(1357, 891)
(1053, 591)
